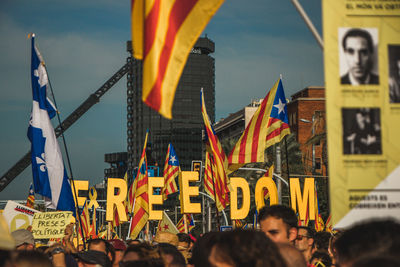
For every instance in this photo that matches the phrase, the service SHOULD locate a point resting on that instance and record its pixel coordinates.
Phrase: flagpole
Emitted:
(287, 163)
(215, 195)
(71, 176)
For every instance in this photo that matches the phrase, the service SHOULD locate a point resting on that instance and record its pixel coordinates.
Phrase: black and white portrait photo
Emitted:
(358, 60)
(394, 73)
(361, 131)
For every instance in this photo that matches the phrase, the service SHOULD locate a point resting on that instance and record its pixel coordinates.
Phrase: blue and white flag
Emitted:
(49, 175)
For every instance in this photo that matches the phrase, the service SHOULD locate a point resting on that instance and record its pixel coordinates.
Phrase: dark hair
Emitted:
(322, 256)
(202, 249)
(247, 248)
(359, 33)
(144, 250)
(32, 258)
(310, 231)
(177, 257)
(285, 213)
(321, 240)
(184, 238)
(369, 238)
(109, 248)
(377, 261)
(143, 263)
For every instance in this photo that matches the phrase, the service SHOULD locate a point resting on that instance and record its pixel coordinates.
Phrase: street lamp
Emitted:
(313, 146)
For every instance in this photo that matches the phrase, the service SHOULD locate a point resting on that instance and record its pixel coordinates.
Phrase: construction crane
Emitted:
(94, 98)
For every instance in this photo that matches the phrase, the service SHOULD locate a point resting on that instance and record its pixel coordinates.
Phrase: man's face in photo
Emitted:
(358, 57)
(277, 230)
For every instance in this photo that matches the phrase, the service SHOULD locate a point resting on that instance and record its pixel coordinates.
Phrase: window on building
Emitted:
(318, 165)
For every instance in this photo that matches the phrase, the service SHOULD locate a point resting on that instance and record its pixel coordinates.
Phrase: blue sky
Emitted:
(84, 43)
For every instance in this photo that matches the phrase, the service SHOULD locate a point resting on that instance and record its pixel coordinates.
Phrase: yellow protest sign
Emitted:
(155, 182)
(187, 191)
(50, 224)
(117, 200)
(79, 185)
(18, 216)
(236, 213)
(362, 77)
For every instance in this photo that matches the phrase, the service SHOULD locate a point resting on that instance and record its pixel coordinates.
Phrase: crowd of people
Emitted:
(278, 242)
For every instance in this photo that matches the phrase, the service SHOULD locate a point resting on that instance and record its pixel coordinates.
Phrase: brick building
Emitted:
(306, 112)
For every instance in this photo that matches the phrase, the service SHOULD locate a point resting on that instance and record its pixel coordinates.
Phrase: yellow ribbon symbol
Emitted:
(93, 197)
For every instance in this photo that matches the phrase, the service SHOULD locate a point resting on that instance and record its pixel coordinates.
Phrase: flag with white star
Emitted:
(171, 171)
(267, 127)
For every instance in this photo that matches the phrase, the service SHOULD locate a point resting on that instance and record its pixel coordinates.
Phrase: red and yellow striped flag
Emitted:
(268, 126)
(181, 223)
(219, 164)
(30, 201)
(208, 177)
(85, 221)
(141, 206)
(171, 171)
(163, 33)
(319, 222)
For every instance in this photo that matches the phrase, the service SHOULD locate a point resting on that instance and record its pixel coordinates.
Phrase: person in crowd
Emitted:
(171, 255)
(244, 248)
(119, 248)
(166, 237)
(374, 238)
(31, 258)
(321, 241)
(320, 258)
(102, 245)
(358, 49)
(143, 251)
(67, 239)
(279, 223)
(331, 248)
(202, 249)
(305, 241)
(134, 242)
(292, 256)
(23, 239)
(184, 245)
(377, 261)
(93, 258)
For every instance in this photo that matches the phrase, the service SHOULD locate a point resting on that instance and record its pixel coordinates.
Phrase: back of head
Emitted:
(31, 258)
(202, 249)
(377, 261)
(321, 240)
(246, 248)
(285, 213)
(171, 255)
(292, 256)
(321, 257)
(369, 238)
(143, 251)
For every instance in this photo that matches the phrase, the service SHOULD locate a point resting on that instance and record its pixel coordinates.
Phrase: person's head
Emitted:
(358, 48)
(245, 248)
(377, 261)
(31, 258)
(171, 255)
(305, 239)
(320, 259)
(166, 237)
(279, 223)
(143, 251)
(202, 249)
(119, 248)
(23, 239)
(93, 258)
(102, 245)
(321, 241)
(368, 239)
(291, 255)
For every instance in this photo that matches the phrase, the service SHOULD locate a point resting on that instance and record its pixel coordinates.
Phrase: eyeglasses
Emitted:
(300, 237)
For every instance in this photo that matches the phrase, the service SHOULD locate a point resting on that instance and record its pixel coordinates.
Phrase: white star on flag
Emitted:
(173, 159)
(280, 107)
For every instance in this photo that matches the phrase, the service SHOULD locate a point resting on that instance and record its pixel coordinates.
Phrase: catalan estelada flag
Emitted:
(30, 201)
(141, 202)
(171, 171)
(163, 33)
(319, 222)
(181, 223)
(221, 179)
(268, 126)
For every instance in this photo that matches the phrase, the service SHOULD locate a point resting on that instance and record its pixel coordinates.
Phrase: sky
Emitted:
(84, 43)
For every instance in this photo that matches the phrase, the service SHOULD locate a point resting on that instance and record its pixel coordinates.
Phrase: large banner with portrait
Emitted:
(362, 77)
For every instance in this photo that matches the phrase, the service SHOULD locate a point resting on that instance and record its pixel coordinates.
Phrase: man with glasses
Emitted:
(279, 223)
(304, 241)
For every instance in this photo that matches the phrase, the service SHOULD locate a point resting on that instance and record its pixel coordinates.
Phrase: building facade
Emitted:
(184, 130)
(306, 112)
